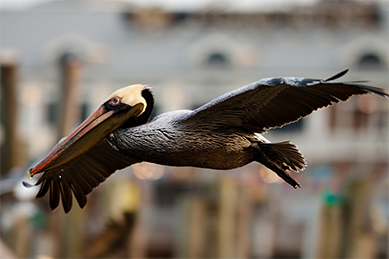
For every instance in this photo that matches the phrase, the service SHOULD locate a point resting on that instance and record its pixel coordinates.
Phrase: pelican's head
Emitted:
(130, 96)
(124, 104)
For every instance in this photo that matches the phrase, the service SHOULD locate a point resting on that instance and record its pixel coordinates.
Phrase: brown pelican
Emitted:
(222, 134)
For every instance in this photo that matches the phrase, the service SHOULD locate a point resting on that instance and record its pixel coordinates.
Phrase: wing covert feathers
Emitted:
(274, 102)
(81, 175)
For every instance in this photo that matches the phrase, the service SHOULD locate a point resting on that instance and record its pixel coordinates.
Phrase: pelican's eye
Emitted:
(114, 101)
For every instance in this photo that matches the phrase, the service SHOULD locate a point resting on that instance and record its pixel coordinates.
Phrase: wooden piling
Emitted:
(71, 229)
(227, 218)
(192, 235)
(345, 226)
(10, 149)
(5, 252)
(138, 236)
(72, 232)
(330, 227)
(21, 234)
(70, 109)
(360, 239)
(243, 225)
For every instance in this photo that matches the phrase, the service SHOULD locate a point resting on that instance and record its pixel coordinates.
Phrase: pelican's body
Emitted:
(222, 134)
(166, 140)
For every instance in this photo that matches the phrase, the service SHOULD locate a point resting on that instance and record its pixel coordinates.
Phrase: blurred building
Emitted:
(188, 58)
(195, 57)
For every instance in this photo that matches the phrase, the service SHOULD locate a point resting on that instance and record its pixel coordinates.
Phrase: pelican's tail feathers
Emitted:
(280, 157)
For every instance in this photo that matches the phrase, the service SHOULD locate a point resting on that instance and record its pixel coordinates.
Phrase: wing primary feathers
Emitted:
(79, 176)
(82, 183)
(44, 188)
(97, 170)
(338, 75)
(87, 177)
(372, 89)
(66, 195)
(54, 194)
(79, 194)
(27, 185)
(274, 102)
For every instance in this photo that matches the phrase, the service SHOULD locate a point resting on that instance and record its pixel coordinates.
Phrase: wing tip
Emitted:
(28, 185)
(338, 75)
(58, 190)
(54, 195)
(368, 89)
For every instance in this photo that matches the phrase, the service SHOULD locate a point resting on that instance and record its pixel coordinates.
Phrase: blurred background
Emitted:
(61, 59)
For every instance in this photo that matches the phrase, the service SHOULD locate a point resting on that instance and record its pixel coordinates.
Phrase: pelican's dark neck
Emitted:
(144, 117)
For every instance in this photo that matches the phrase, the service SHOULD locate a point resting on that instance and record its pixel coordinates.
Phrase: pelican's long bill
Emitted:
(108, 117)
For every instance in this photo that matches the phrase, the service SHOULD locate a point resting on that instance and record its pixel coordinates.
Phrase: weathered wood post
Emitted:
(5, 252)
(71, 228)
(69, 110)
(360, 237)
(227, 218)
(192, 234)
(330, 226)
(10, 149)
(243, 225)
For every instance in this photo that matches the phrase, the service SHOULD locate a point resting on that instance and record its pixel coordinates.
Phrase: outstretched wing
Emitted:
(81, 175)
(274, 102)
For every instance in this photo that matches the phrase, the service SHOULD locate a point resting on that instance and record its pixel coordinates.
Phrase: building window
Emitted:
(51, 113)
(370, 61)
(360, 113)
(217, 60)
